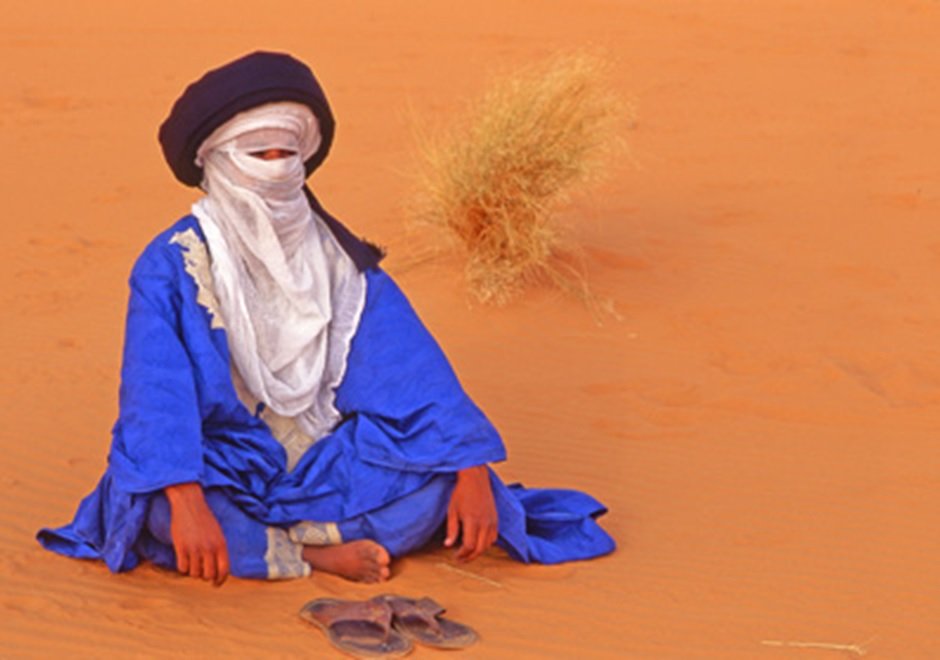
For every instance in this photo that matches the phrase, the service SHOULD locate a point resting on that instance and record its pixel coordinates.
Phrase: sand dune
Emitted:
(762, 423)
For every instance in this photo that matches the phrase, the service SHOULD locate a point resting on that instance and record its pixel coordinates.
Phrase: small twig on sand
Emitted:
(469, 574)
(855, 649)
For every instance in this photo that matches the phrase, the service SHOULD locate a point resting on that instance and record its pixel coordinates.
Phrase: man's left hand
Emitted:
(472, 513)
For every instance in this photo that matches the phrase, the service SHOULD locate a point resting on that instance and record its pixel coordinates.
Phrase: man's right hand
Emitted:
(200, 546)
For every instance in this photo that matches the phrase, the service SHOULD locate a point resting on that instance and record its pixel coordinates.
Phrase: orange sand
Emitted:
(763, 423)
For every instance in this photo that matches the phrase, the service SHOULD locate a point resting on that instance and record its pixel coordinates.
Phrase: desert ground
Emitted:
(762, 420)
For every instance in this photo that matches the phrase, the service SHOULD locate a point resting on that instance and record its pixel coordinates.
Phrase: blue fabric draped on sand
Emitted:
(406, 421)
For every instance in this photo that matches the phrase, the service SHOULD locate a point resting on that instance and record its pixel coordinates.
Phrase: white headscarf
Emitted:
(289, 296)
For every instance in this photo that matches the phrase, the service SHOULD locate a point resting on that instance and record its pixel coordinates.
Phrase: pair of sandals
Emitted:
(385, 625)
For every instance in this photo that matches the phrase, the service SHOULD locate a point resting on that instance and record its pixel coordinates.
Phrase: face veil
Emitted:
(289, 296)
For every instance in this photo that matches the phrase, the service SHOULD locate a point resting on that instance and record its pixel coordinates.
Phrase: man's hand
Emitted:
(472, 513)
(197, 538)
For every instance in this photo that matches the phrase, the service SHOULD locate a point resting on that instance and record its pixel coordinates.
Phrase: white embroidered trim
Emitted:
(314, 533)
(284, 429)
(284, 557)
(287, 432)
(196, 263)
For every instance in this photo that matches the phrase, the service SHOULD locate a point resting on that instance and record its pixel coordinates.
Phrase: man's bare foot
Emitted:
(361, 561)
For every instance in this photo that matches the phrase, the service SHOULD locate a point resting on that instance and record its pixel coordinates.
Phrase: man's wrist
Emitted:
(178, 493)
(475, 471)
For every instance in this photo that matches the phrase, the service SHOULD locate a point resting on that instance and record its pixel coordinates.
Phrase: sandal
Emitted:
(421, 620)
(361, 629)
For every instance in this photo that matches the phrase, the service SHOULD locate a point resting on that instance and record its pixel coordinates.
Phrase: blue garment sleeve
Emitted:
(408, 409)
(158, 435)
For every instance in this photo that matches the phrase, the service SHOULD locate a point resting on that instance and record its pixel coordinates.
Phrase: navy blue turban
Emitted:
(246, 83)
(222, 93)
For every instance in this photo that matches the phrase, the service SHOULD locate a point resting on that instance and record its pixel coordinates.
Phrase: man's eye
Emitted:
(272, 154)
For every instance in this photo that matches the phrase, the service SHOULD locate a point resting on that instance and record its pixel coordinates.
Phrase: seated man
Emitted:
(282, 408)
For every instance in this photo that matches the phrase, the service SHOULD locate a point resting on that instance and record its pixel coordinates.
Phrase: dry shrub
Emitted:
(496, 178)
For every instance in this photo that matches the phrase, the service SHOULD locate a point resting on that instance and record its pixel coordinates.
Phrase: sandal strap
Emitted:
(424, 610)
(370, 611)
(430, 606)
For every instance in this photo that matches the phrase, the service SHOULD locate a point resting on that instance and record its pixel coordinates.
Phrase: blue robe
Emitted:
(386, 471)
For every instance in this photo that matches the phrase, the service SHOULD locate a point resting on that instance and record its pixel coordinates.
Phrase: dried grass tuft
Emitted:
(495, 180)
